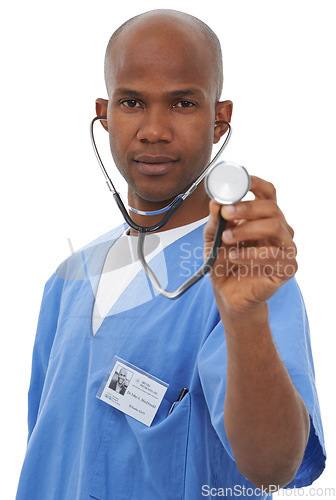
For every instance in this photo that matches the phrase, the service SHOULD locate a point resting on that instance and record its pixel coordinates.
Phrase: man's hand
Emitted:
(257, 254)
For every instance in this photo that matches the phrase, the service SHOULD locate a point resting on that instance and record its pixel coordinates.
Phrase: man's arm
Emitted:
(266, 421)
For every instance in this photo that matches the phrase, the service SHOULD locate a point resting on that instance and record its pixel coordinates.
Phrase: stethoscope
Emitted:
(226, 183)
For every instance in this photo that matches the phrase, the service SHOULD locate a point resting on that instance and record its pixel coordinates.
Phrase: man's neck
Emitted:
(194, 208)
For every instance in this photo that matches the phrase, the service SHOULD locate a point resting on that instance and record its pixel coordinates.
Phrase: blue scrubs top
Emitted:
(80, 448)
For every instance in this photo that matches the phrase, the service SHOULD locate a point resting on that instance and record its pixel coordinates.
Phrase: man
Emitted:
(119, 385)
(239, 341)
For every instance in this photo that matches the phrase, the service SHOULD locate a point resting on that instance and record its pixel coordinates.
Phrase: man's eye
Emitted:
(130, 103)
(184, 104)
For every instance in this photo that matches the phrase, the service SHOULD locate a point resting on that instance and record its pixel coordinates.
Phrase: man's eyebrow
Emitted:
(182, 92)
(128, 92)
(173, 93)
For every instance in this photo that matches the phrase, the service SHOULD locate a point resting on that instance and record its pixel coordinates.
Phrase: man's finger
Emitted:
(262, 189)
(271, 229)
(249, 210)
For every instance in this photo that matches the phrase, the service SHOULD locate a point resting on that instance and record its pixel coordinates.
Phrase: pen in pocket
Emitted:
(181, 396)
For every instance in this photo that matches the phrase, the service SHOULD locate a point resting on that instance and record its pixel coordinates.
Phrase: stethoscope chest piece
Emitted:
(227, 183)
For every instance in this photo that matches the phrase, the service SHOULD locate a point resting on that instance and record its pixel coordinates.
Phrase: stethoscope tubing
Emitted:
(202, 271)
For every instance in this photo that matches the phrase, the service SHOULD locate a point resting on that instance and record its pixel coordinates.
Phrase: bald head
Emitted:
(171, 23)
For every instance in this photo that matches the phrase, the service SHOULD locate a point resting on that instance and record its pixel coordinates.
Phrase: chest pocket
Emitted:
(136, 462)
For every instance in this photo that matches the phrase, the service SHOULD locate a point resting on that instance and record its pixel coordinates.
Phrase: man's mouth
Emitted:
(155, 164)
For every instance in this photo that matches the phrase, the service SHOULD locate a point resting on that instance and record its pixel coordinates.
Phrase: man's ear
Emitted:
(223, 112)
(101, 110)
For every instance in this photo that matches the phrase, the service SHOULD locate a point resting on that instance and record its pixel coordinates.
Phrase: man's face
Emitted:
(122, 377)
(161, 111)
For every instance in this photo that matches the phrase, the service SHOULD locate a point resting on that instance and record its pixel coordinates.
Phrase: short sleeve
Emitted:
(289, 326)
(46, 328)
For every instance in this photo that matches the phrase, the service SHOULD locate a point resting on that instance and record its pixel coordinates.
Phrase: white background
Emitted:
(279, 65)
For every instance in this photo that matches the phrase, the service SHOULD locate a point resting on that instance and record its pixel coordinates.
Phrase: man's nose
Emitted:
(155, 127)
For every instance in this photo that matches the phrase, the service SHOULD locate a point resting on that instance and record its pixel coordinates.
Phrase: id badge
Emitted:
(132, 391)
